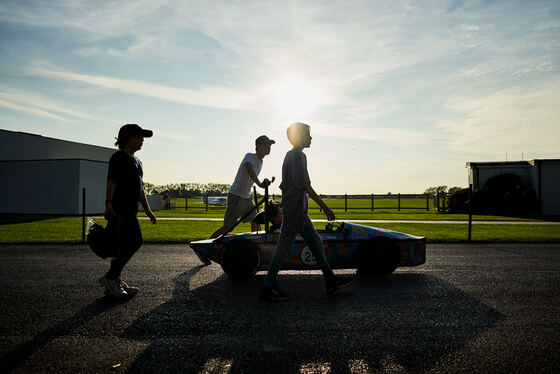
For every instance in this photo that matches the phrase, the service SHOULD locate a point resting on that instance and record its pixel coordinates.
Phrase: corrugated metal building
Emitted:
(42, 175)
(541, 175)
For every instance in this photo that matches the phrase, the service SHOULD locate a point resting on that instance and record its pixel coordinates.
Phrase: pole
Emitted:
(372, 202)
(83, 214)
(186, 203)
(428, 202)
(206, 201)
(399, 201)
(470, 212)
(345, 202)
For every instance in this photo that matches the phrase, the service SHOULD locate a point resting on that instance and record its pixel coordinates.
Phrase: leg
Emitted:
(255, 226)
(129, 239)
(280, 256)
(219, 232)
(315, 244)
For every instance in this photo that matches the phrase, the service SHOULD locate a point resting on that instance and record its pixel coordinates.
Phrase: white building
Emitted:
(541, 175)
(43, 175)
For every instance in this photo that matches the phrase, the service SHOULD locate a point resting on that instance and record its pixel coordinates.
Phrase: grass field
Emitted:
(69, 230)
(357, 209)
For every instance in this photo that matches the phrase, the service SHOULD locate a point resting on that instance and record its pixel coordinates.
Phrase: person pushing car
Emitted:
(239, 200)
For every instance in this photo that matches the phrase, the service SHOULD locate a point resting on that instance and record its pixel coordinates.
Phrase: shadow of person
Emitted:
(407, 321)
(14, 358)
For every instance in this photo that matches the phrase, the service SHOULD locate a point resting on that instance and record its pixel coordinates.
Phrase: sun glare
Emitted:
(295, 98)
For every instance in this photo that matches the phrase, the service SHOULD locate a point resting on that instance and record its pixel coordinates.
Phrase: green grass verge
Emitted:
(69, 230)
(357, 209)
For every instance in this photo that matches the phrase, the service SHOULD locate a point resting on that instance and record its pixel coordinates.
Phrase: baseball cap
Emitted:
(263, 140)
(131, 129)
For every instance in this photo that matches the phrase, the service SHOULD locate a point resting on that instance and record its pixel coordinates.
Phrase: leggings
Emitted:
(126, 235)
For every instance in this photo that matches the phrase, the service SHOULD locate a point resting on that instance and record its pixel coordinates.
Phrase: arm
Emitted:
(252, 174)
(313, 195)
(109, 212)
(146, 206)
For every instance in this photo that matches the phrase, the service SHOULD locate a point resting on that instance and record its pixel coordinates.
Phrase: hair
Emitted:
(296, 132)
(120, 143)
(273, 208)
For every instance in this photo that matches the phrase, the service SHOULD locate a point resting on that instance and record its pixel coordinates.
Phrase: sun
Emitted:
(295, 98)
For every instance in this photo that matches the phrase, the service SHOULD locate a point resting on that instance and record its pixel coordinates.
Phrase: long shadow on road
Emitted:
(14, 358)
(407, 321)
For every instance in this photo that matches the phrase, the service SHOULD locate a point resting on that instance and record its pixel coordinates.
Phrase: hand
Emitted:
(265, 183)
(329, 213)
(109, 212)
(153, 218)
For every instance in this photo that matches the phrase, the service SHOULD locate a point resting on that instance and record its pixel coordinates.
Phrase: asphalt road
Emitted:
(470, 308)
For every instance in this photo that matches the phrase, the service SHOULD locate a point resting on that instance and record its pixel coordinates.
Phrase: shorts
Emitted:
(237, 207)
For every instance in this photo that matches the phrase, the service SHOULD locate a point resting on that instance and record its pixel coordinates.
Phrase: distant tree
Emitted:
(441, 189)
(506, 194)
(182, 190)
(435, 190)
(452, 190)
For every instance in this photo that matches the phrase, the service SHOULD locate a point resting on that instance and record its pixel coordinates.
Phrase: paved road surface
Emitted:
(470, 308)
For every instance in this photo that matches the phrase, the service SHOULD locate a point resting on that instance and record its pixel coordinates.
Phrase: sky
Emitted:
(400, 95)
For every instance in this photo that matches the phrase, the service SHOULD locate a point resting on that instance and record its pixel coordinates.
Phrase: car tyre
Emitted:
(240, 258)
(378, 257)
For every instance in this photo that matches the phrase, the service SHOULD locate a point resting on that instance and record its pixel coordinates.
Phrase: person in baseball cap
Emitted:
(239, 200)
(125, 190)
(131, 130)
(263, 140)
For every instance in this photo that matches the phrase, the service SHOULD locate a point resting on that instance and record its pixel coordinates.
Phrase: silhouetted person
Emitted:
(239, 200)
(125, 189)
(296, 187)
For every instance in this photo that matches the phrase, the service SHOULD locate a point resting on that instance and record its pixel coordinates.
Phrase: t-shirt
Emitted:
(127, 171)
(242, 185)
(294, 198)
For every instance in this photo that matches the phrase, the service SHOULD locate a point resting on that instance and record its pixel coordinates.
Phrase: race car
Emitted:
(370, 250)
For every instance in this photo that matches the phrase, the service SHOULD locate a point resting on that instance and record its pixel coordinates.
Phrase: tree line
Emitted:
(187, 189)
(200, 189)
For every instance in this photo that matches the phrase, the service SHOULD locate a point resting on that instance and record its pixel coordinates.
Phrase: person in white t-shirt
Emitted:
(239, 199)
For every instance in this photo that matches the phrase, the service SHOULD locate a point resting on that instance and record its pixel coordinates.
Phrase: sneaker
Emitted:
(131, 291)
(335, 284)
(274, 294)
(113, 288)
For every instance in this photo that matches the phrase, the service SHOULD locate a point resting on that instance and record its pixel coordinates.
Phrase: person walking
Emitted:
(125, 189)
(296, 187)
(239, 200)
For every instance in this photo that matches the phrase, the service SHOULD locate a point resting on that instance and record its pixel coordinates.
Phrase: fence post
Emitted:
(206, 201)
(399, 201)
(186, 203)
(345, 202)
(428, 202)
(470, 211)
(83, 214)
(372, 202)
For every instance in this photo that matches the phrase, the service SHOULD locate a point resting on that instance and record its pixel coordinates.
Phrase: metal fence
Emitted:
(346, 202)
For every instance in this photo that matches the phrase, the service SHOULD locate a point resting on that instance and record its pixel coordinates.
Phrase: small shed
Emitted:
(42, 175)
(542, 175)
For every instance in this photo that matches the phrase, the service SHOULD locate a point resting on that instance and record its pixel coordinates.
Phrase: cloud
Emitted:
(26, 109)
(520, 119)
(42, 107)
(215, 97)
(393, 136)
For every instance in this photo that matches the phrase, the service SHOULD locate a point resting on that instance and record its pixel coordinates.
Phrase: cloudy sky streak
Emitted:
(400, 95)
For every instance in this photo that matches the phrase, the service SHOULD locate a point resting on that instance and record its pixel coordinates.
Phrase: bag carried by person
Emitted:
(99, 239)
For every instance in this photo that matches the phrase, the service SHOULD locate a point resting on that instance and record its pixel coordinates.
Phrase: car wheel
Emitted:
(240, 258)
(378, 257)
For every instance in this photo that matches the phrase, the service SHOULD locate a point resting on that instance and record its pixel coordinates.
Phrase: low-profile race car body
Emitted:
(368, 249)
